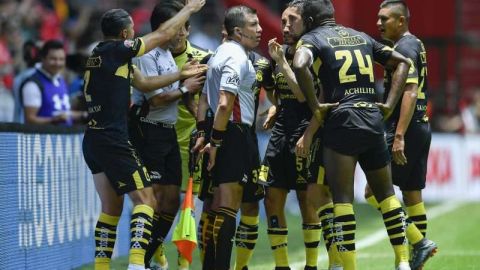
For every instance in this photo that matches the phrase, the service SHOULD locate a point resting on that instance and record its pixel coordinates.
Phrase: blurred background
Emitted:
(43, 176)
(450, 30)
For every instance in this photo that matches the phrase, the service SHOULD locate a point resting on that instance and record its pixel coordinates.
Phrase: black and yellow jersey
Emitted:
(291, 114)
(343, 61)
(192, 52)
(414, 50)
(107, 87)
(186, 121)
(264, 79)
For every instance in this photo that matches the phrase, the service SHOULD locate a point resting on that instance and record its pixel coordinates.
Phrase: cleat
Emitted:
(336, 267)
(422, 251)
(403, 266)
(310, 267)
(136, 267)
(158, 266)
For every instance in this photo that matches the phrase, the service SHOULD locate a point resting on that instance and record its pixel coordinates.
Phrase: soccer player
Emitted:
(114, 163)
(157, 140)
(408, 131)
(282, 169)
(343, 60)
(229, 94)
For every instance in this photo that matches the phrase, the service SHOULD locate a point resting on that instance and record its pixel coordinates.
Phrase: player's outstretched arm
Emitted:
(168, 29)
(148, 84)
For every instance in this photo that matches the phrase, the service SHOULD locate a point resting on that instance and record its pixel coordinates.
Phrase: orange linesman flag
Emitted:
(185, 234)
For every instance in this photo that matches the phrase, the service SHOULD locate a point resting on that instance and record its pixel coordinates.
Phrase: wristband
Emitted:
(200, 133)
(217, 135)
(183, 90)
(215, 143)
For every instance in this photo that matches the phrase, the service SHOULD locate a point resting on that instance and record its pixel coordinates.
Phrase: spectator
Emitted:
(30, 57)
(471, 114)
(44, 95)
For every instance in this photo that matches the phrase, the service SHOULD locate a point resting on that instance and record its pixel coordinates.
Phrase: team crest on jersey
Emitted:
(233, 79)
(129, 43)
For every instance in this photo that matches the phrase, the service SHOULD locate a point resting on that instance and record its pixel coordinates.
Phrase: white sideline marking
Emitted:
(381, 234)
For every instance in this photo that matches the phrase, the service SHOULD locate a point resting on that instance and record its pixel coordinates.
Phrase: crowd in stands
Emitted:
(25, 25)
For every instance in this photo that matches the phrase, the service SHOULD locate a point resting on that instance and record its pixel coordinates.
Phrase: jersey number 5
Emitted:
(364, 68)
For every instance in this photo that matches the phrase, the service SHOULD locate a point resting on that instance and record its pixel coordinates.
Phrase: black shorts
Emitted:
(358, 132)
(281, 168)
(252, 191)
(412, 176)
(159, 150)
(236, 157)
(316, 165)
(117, 158)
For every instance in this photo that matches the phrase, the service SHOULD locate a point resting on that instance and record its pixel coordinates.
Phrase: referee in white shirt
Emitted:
(232, 147)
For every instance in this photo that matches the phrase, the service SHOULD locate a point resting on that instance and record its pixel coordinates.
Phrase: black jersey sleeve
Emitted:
(130, 48)
(409, 49)
(381, 52)
(309, 41)
(265, 74)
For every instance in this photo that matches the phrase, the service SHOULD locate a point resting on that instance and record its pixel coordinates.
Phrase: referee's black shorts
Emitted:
(236, 157)
(412, 176)
(114, 155)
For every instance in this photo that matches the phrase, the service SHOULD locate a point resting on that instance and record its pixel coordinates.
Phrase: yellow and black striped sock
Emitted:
(279, 244)
(141, 231)
(208, 253)
(105, 236)
(326, 218)
(202, 225)
(412, 233)
(161, 226)
(373, 202)
(223, 233)
(311, 237)
(396, 224)
(245, 240)
(418, 215)
(344, 233)
(159, 255)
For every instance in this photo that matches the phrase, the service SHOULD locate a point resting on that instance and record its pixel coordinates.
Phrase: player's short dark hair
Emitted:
(235, 17)
(50, 45)
(164, 11)
(299, 4)
(318, 11)
(114, 21)
(401, 8)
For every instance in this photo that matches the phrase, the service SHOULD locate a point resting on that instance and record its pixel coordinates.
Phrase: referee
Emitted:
(231, 149)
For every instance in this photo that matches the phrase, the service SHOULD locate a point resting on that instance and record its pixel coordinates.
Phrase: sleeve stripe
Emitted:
(412, 80)
(141, 51)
